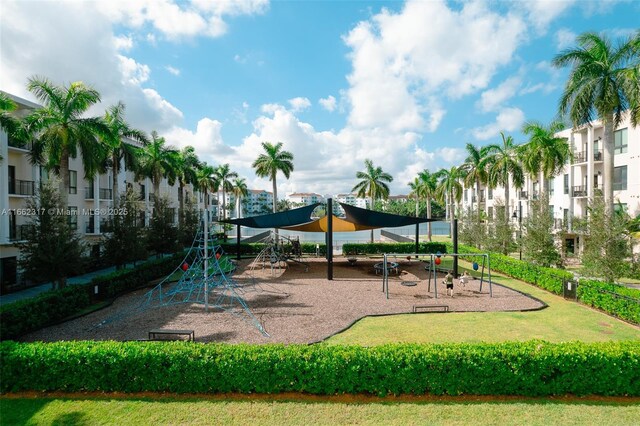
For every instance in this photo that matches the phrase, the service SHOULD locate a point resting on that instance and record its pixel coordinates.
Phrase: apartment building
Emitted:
(257, 202)
(572, 189)
(88, 199)
(351, 199)
(300, 199)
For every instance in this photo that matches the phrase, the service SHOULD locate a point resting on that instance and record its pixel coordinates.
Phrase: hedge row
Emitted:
(614, 299)
(247, 249)
(524, 368)
(381, 248)
(53, 306)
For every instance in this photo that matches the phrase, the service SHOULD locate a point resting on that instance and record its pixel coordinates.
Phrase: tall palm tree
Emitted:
(598, 87)
(504, 166)
(373, 184)
(121, 151)
(272, 161)
(187, 169)
(206, 182)
(240, 190)
(8, 122)
(429, 183)
(158, 161)
(450, 188)
(61, 131)
(475, 171)
(224, 174)
(416, 189)
(545, 154)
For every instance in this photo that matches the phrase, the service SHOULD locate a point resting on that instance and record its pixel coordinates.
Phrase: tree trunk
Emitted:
(372, 210)
(63, 186)
(181, 204)
(452, 214)
(478, 199)
(238, 206)
(429, 217)
(275, 200)
(224, 204)
(506, 198)
(116, 192)
(156, 191)
(608, 164)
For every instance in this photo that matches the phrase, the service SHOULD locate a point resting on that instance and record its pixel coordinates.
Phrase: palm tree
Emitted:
(61, 131)
(503, 163)
(416, 187)
(206, 182)
(240, 190)
(373, 184)
(188, 164)
(450, 188)
(475, 171)
(121, 151)
(270, 163)
(224, 174)
(8, 122)
(158, 161)
(598, 86)
(545, 154)
(429, 183)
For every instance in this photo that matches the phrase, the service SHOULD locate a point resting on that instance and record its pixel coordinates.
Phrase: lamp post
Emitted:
(517, 214)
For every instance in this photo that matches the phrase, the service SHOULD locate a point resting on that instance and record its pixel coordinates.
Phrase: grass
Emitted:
(144, 411)
(561, 321)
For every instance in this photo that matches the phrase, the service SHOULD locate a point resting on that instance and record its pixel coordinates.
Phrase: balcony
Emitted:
(523, 195)
(558, 224)
(106, 194)
(21, 187)
(19, 232)
(90, 228)
(579, 191)
(581, 157)
(88, 193)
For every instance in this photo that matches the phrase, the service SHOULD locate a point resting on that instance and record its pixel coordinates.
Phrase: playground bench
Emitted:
(166, 332)
(431, 308)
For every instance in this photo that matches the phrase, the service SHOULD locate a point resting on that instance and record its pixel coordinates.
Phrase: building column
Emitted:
(571, 170)
(96, 204)
(4, 188)
(590, 133)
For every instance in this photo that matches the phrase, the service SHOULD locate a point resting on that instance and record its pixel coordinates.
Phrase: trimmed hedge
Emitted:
(532, 368)
(614, 299)
(255, 248)
(382, 248)
(27, 315)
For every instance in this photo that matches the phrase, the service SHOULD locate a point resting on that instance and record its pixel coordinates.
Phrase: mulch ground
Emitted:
(295, 304)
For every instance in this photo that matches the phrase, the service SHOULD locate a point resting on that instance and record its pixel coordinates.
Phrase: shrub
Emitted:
(381, 248)
(523, 368)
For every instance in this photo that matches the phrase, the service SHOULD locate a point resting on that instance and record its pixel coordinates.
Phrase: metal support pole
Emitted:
(417, 238)
(455, 248)
(520, 225)
(238, 242)
(330, 239)
(206, 261)
(489, 271)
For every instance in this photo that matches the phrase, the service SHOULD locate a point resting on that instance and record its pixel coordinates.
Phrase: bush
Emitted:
(381, 248)
(523, 368)
(24, 316)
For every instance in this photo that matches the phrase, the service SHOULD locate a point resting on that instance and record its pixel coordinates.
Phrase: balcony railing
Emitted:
(579, 191)
(88, 193)
(21, 187)
(523, 195)
(106, 194)
(581, 157)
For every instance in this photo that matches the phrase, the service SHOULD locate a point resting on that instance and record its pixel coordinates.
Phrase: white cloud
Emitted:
(492, 99)
(542, 12)
(123, 43)
(207, 139)
(133, 72)
(451, 155)
(565, 38)
(508, 120)
(299, 104)
(172, 70)
(328, 103)
(436, 114)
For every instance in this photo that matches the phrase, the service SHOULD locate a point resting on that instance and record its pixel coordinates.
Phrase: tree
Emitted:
(158, 161)
(545, 153)
(126, 241)
(503, 163)
(14, 127)
(162, 235)
(240, 191)
(272, 161)
(52, 250)
(373, 184)
(500, 233)
(224, 174)
(61, 131)
(429, 183)
(475, 170)
(186, 171)
(190, 223)
(607, 249)
(598, 86)
(120, 150)
(539, 246)
(206, 182)
(450, 188)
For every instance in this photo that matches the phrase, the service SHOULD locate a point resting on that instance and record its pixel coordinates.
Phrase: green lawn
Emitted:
(44, 411)
(561, 321)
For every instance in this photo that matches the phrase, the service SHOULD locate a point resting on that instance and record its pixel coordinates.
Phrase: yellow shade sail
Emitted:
(321, 225)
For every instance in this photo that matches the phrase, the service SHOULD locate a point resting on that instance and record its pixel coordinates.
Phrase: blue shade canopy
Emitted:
(277, 220)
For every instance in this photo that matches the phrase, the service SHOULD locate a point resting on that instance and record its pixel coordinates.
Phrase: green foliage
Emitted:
(125, 243)
(623, 302)
(381, 248)
(162, 235)
(472, 231)
(607, 249)
(531, 368)
(255, 248)
(538, 245)
(500, 235)
(52, 251)
(191, 223)
(24, 316)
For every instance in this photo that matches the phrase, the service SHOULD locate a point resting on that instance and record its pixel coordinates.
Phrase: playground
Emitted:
(294, 303)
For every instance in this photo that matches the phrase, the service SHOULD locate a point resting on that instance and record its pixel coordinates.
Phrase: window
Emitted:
(566, 184)
(620, 141)
(44, 174)
(72, 218)
(620, 178)
(550, 183)
(73, 182)
(490, 194)
(490, 213)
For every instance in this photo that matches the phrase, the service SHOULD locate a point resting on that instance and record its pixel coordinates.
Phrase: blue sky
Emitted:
(406, 84)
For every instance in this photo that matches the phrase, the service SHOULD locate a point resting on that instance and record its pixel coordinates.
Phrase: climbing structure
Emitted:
(277, 252)
(204, 277)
